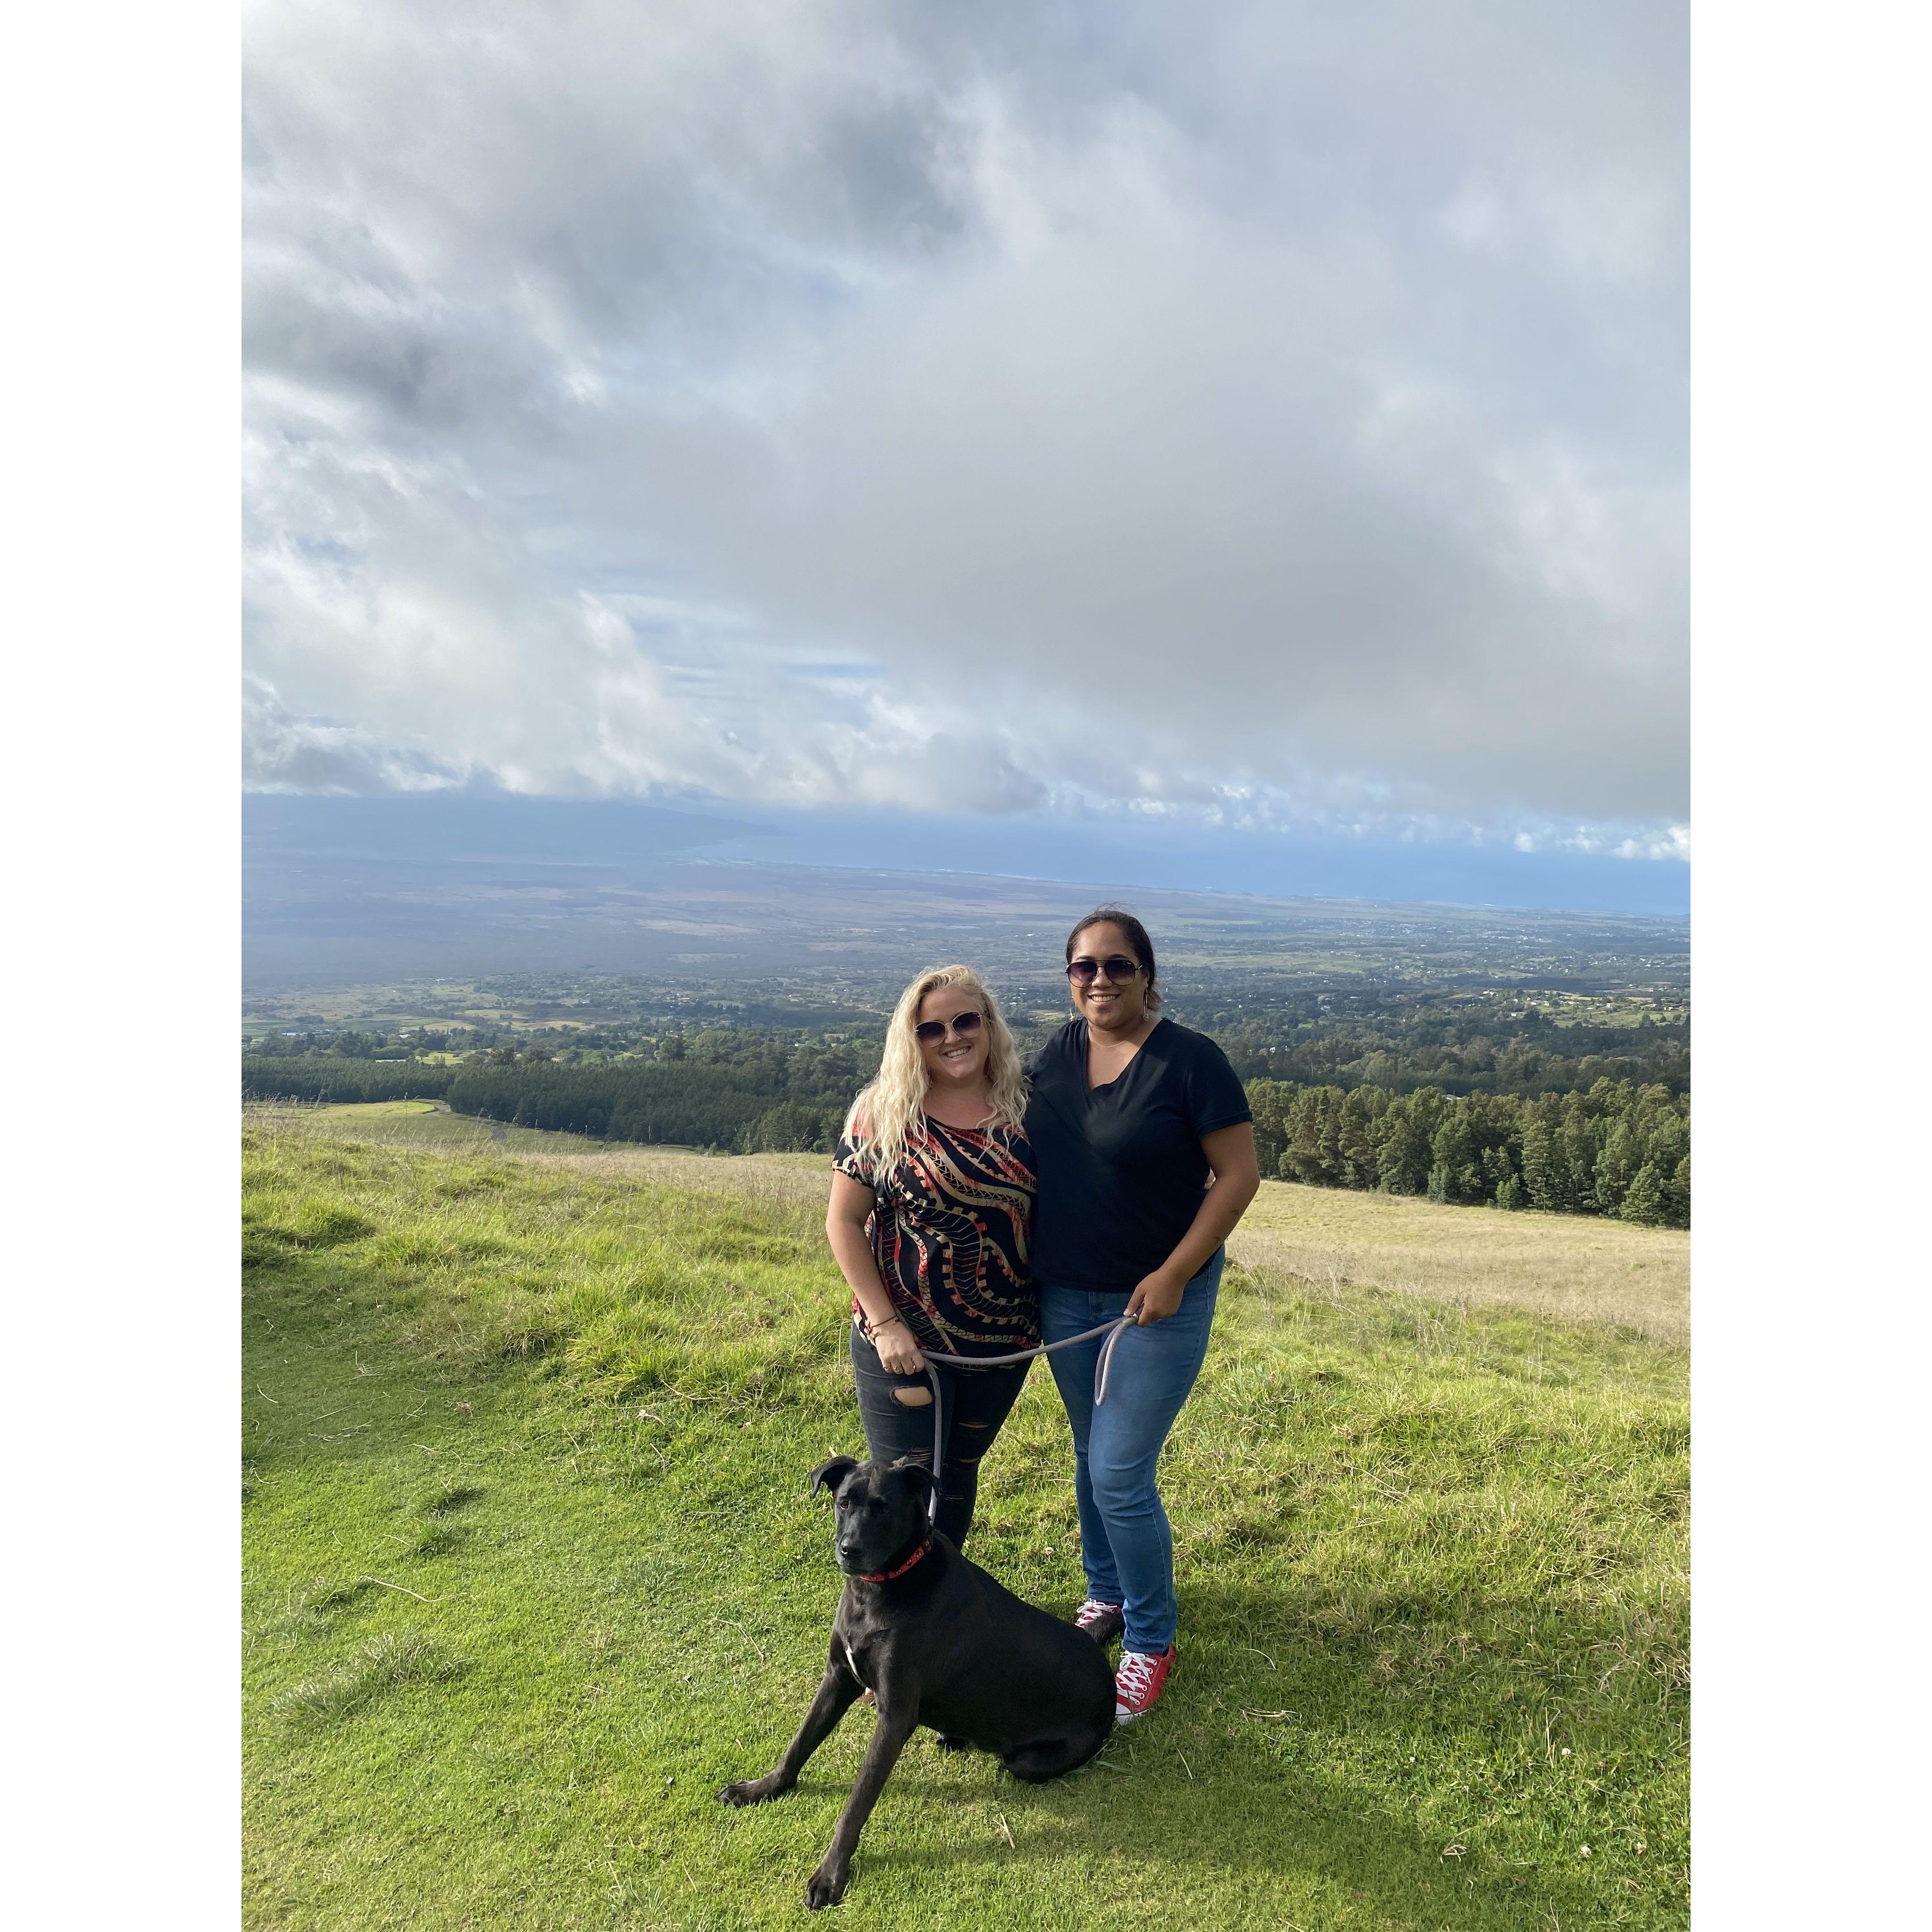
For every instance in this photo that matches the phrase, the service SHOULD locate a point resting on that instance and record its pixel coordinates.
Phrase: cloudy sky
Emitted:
(1267, 416)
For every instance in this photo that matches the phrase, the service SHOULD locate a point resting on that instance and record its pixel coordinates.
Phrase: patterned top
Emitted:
(952, 1232)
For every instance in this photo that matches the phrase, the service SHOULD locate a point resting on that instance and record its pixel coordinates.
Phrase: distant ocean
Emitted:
(457, 826)
(378, 887)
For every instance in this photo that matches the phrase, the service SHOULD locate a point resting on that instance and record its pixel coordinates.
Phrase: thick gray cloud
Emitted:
(1275, 411)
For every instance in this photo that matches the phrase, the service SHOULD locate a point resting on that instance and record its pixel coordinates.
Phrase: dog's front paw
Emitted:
(826, 1886)
(753, 1790)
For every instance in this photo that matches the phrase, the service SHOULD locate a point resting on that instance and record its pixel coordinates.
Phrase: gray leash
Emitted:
(1111, 1329)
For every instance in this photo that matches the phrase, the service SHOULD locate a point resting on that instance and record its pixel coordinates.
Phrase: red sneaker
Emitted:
(1103, 1622)
(1139, 1682)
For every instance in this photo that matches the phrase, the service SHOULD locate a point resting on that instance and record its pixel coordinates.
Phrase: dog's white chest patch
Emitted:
(852, 1663)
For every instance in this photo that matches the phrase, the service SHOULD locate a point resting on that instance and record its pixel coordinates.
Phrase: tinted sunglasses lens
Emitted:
(1119, 970)
(927, 1031)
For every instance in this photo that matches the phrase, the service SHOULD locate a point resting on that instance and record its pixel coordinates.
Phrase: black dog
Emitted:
(938, 1642)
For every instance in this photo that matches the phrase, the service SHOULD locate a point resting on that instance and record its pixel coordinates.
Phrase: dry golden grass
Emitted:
(1572, 1267)
(765, 1177)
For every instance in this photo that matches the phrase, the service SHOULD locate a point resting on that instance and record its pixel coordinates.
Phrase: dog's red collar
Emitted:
(886, 1576)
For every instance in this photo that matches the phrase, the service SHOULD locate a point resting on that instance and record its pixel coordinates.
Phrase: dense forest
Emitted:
(749, 1107)
(1615, 1149)
(324, 1077)
(1469, 1043)
(1614, 1144)
(731, 1088)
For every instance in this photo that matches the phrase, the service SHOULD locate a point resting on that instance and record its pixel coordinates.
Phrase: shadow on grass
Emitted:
(1253, 1820)
(1227, 1781)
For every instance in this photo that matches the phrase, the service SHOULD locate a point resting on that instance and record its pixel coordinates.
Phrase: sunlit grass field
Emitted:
(423, 1123)
(530, 1570)
(1572, 1267)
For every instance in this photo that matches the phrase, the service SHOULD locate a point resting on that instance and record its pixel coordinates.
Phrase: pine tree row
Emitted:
(343, 1079)
(1614, 1148)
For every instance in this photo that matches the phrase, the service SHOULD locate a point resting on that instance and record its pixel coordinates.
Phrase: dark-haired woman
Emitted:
(1145, 1148)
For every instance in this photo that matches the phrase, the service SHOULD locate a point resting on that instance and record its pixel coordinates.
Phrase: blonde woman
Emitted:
(931, 1224)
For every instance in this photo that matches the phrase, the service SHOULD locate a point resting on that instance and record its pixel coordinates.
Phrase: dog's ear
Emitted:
(922, 1475)
(831, 1472)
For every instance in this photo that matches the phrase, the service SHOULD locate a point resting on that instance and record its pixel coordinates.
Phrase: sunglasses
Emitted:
(964, 1024)
(1119, 970)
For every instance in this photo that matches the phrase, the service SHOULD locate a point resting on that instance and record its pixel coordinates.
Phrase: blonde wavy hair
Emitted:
(883, 1114)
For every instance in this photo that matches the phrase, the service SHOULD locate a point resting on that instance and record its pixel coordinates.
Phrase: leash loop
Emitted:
(1112, 1330)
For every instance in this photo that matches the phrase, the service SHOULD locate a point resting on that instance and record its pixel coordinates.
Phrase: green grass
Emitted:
(530, 1571)
(394, 1658)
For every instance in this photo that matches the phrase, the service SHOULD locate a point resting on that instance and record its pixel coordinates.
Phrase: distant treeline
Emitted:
(1464, 1041)
(724, 1087)
(687, 1104)
(1615, 1149)
(346, 1043)
(321, 1077)
(1618, 1147)
(1463, 1045)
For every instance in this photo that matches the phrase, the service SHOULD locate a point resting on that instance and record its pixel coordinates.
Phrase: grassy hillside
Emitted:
(530, 1571)
(420, 1123)
(1573, 1267)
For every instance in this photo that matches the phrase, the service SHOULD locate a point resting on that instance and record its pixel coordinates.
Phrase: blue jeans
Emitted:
(1126, 1546)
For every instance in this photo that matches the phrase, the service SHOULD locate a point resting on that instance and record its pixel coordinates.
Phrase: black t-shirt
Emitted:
(1120, 1167)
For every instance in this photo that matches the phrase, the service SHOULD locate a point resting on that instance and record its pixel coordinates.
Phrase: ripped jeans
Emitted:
(974, 1402)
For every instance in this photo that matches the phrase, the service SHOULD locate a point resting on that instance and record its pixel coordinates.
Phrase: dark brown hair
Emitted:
(1137, 937)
